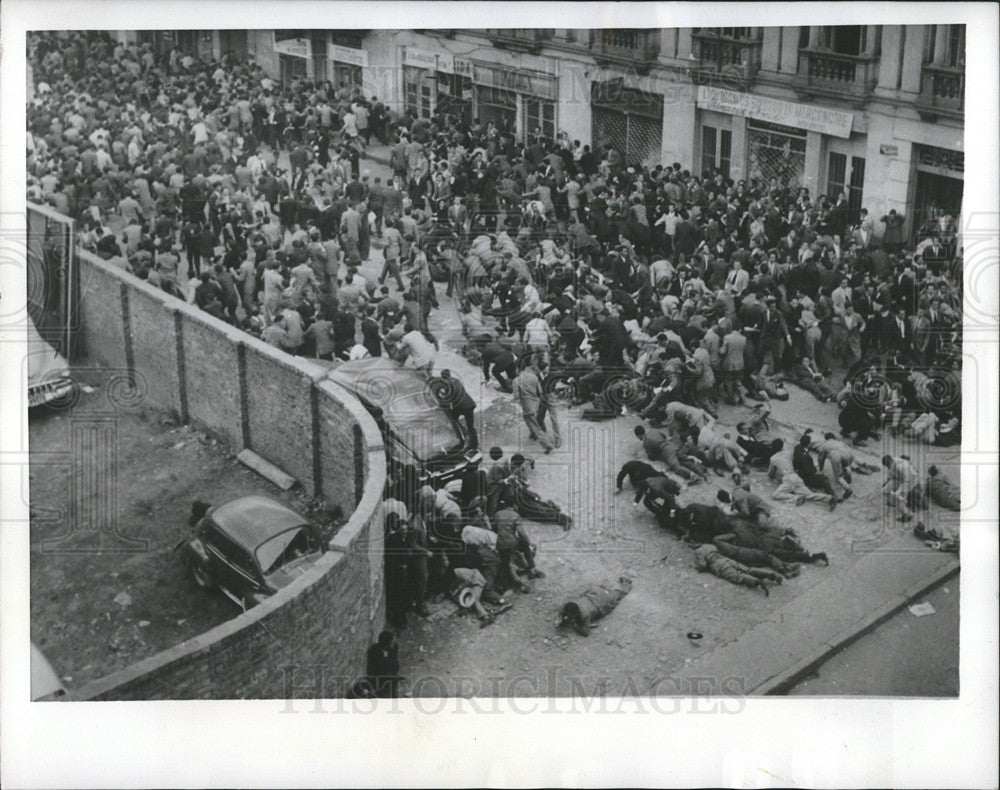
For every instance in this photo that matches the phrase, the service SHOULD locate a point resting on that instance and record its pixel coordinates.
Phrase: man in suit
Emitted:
(738, 279)
(864, 235)
(530, 395)
(732, 351)
(898, 334)
(453, 398)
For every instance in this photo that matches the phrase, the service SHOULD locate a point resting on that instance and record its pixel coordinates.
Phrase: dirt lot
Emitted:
(99, 600)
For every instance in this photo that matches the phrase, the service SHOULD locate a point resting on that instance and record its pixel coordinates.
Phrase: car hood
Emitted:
(291, 571)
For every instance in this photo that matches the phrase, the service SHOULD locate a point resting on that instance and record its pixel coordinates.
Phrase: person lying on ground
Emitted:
(758, 453)
(707, 557)
(596, 602)
(942, 491)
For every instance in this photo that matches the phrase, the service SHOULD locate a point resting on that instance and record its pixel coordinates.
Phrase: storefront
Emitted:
(419, 81)
(519, 101)
(454, 87)
(347, 65)
(755, 137)
(436, 82)
(628, 120)
(776, 154)
(294, 55)
(939, 182)
(233, 41)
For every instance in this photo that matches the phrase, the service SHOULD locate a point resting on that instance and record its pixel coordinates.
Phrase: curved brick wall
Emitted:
(310, 638)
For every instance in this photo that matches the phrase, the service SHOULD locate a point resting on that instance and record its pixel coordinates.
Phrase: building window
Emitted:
(716, 150)
(846, 39)
(736, 33)
(839, 180)
(951, 40)
(707, 149)
(539, 118)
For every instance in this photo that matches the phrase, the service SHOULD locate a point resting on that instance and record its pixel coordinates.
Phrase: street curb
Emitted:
(784, 680)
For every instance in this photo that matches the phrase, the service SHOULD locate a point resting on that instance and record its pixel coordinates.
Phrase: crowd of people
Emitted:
(580, 278)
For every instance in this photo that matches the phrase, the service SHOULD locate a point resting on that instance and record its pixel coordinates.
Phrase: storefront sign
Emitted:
(801, 116)
(420, 58)
(342, 54)
(296, 47)
(519, 81)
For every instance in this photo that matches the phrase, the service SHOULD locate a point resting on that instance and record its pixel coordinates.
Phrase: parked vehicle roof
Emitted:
(253, 519)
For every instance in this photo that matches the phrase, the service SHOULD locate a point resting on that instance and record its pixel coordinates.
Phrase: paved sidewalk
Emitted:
(775, 653)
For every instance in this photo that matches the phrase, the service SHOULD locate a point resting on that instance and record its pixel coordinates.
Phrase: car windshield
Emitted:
(285, 547)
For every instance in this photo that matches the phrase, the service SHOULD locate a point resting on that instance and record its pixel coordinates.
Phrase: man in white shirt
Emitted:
(418, 349)
(901, 484)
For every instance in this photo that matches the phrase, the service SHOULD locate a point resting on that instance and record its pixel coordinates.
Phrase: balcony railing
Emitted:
(521, 39)
(831, 74)
(942, 91)
(631, 48)
(727, 62)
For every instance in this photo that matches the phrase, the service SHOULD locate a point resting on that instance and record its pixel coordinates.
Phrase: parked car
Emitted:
(49, 380)
(418, 433)
(250, 548)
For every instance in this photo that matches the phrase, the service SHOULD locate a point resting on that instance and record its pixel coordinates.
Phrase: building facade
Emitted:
(873, 110)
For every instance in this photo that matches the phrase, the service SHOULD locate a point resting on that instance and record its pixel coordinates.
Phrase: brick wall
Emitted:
(279, 394)
(308, 640)
(211, 372)
(152, 329)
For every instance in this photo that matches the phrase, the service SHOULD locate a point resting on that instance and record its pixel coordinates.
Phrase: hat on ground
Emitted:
(466, 598)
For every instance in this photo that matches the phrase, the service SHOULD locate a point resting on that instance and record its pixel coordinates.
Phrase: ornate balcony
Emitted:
(942, 92)
(629, 48)
(519, 39)
(833, 75)
(725, 62)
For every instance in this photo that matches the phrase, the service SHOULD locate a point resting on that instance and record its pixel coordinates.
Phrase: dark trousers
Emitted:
(417, 576)
(468, 417)
(502, 373)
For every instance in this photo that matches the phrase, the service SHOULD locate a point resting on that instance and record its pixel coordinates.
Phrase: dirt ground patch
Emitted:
(99, 600)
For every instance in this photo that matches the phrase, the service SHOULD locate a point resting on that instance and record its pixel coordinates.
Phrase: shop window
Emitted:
(411, 89)
(426, 97)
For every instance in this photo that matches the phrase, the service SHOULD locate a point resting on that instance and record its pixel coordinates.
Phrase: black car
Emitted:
(418, 433)
(250, 548)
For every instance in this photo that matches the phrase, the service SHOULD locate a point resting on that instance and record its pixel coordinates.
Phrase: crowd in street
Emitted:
(580, 278)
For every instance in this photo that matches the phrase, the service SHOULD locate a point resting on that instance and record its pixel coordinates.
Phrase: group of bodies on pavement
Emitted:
(578, 276)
